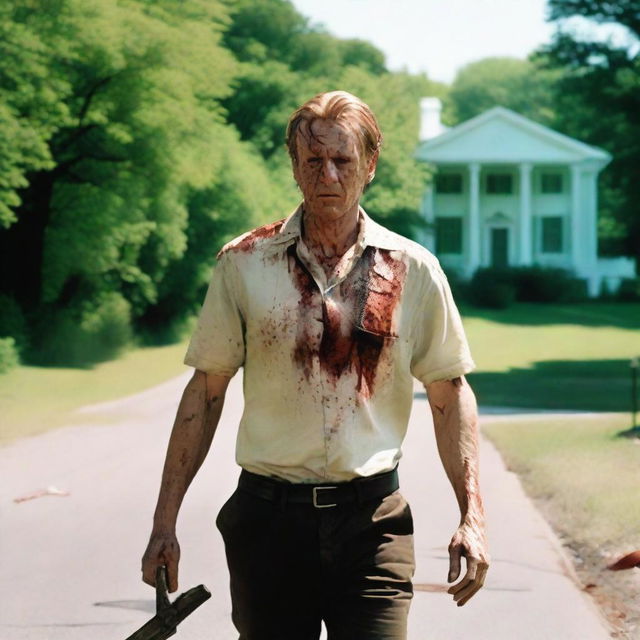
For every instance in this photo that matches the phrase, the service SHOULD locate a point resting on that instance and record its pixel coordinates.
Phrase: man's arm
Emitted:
(195, 424)
(455, 417)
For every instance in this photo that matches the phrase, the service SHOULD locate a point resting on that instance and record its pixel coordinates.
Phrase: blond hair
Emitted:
(340, 107)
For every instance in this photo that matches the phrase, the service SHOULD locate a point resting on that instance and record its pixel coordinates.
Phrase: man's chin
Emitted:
(329, 208)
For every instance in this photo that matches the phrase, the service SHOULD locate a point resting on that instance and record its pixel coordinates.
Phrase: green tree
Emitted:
(117, 112)
(598, 101)
(516, 84)
(622, 12)
(263, 30)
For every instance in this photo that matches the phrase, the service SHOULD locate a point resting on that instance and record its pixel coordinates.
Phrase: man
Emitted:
(330, 315)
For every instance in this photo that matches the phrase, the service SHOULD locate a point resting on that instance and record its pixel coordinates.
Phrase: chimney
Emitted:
(430, 125)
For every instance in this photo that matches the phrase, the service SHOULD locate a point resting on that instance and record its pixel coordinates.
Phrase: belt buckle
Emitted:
(315, 498)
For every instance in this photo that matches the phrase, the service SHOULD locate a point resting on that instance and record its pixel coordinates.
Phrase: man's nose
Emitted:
(329, 172)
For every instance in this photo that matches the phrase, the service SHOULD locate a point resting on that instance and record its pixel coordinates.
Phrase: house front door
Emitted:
(500, 247)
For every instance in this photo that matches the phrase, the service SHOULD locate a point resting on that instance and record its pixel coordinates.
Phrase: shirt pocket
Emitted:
(378, 316)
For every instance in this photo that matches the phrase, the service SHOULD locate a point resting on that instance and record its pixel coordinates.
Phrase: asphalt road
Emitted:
(69, 565)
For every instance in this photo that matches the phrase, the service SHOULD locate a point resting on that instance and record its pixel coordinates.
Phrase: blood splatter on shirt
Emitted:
(357, 316)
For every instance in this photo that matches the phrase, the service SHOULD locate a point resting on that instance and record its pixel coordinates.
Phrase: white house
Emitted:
(511, 192)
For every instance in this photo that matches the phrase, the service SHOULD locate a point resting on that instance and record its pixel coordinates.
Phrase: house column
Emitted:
(428, 212)
(474, 218)
(592, 220)
(526, 239)
(576, 220)
(591, 235)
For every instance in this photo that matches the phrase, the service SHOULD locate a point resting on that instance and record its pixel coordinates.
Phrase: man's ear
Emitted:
(373, 162)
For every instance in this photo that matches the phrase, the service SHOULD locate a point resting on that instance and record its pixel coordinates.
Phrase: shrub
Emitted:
(492, 288)
(575, 290)
(498, 288)
(543, 284)
(107, 322)
(12, 321)
(166, 333)
(8, 354)
(629, 290)
(96, 332)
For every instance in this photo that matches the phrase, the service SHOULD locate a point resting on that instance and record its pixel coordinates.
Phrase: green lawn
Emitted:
(554, 356)
(36, 399)
(584, 476)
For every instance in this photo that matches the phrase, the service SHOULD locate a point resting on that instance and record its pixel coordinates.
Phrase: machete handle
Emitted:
(162, 597)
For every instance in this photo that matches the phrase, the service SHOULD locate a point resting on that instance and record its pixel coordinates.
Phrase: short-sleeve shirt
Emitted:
(328, 362)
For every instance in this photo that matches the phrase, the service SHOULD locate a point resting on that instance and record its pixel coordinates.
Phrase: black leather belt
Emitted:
(321, 495)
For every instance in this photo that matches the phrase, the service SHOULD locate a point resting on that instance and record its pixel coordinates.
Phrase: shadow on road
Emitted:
(149, 606)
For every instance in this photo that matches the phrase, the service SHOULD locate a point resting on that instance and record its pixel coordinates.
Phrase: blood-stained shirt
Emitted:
(328, 362)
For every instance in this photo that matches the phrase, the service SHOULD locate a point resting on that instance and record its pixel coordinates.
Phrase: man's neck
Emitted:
(330, 238)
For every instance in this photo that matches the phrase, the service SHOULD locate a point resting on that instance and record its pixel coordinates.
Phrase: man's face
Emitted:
(331, 169)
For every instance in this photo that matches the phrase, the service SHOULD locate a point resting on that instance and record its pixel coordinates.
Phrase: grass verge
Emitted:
(36, 399)
(585, 481)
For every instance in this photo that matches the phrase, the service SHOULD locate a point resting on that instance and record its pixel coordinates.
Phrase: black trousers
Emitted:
(294, 565)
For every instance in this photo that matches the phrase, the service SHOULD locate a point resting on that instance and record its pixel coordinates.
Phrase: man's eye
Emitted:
(342, 161)
(313, 160)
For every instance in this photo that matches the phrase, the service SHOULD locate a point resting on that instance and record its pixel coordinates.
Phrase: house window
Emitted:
(500, 183)
(551, 183)
(449, 235)
(449, 183)
(552, 235)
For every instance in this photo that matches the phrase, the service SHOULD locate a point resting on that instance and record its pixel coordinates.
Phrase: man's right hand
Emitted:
(163, 549)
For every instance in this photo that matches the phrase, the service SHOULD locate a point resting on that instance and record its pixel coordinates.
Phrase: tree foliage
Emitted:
(623, 12)
(598, 101)
(517, 84)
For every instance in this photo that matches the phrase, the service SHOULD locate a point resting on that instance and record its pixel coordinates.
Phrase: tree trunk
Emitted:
(22, 245)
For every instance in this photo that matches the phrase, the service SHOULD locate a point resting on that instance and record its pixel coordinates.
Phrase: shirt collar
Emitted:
(371, 234)
(291, 228)
(375, 235)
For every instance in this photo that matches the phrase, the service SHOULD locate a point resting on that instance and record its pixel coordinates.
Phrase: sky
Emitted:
(440, 36)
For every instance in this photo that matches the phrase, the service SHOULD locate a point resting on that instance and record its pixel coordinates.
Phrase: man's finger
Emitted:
(469, 576)
(167, 552)
(472, 588)
(468, 594)
(149, 569)
(146, 579)
(463, 596)
(149, 578)
(455, 554)
(172, 575)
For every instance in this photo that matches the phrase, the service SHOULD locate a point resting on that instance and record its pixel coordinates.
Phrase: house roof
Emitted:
(500, 135)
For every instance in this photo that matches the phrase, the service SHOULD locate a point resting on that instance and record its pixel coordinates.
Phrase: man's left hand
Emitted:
(470, 542)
